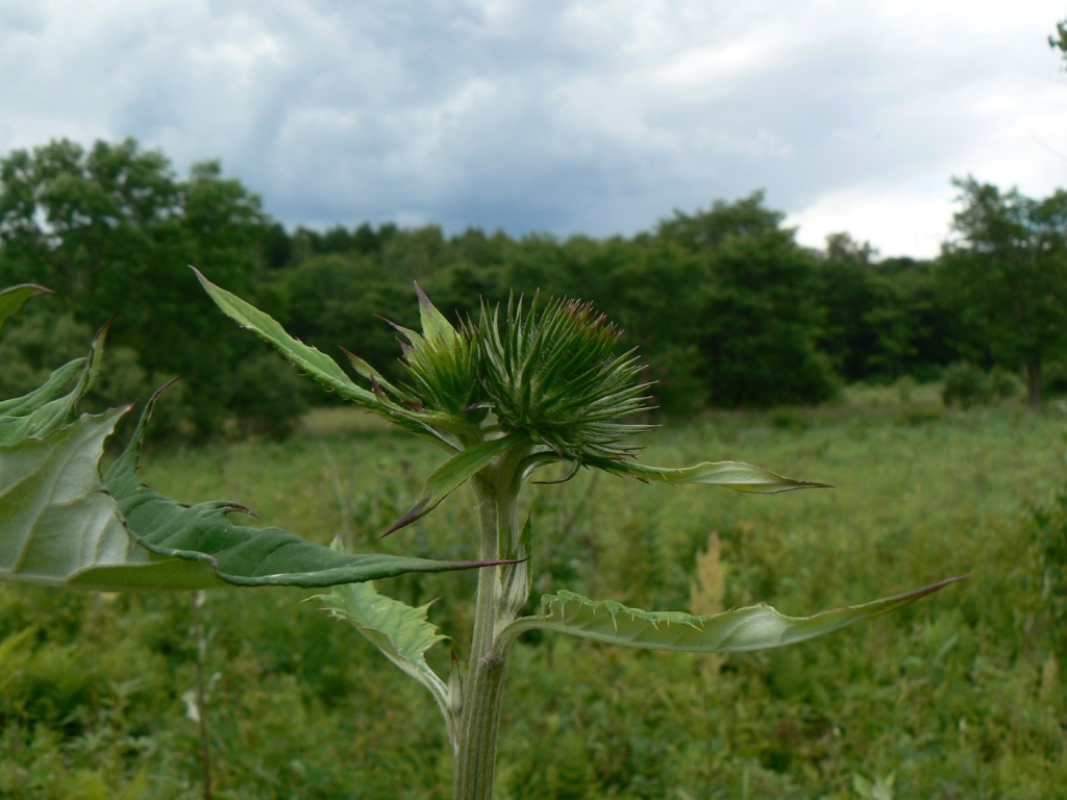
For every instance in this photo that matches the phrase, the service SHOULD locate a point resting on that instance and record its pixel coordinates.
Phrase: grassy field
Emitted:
(959, 696)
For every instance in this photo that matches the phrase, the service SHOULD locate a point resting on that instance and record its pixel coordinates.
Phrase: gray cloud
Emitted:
(599, 116)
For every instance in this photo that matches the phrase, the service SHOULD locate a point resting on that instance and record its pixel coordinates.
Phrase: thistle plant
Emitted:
(504, 396)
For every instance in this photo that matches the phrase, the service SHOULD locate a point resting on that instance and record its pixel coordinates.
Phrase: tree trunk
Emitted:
(1033, 384)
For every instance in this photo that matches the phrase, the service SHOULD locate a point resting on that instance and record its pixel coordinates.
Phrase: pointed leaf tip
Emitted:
(423, 299)
(452, 474)
(435, 326)
(756, 627)
(14, 297)
(736, 475)
(415, 512)
(312, 361)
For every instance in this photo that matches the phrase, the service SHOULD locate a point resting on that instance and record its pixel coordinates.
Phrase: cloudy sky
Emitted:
(568, 116)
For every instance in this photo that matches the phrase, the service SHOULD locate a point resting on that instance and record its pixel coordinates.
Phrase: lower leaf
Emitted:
(754, 628)
(400, 631)
(62, 525)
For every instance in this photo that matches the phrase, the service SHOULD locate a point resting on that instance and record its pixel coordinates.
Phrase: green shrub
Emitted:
(1048, 522)
(1054, 378)
(966, 385)
(268, 397)
(1004, 383)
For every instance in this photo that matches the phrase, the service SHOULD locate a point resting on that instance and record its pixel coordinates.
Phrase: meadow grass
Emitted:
(958, 696)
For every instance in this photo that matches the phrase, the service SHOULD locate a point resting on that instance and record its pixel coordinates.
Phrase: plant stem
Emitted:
(201, 699)
(496, 605)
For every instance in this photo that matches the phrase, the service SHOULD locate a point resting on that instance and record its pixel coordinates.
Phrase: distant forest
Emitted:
(725, 308)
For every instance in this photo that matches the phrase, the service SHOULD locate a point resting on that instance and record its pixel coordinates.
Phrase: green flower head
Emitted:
(554, 374)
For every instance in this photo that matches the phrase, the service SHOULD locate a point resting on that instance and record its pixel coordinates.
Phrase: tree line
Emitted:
(726, 308)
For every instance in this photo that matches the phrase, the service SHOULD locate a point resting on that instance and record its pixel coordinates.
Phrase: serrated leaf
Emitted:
(736, 475)
(401, 632)
(754, 628)
(316, 363)
(61, 524)
(324, 369)
(456, 471)
(13, 298)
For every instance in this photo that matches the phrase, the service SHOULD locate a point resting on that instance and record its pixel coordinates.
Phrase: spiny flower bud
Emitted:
(554, 374)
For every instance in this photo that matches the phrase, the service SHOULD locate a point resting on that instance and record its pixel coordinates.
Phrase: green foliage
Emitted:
(65, 525)
(506, 395)
(967, 385)
(115, 227)
(267, 396)
(303, 706)
(1048, 522)
(1008, 275)
(546, 387)
(758, 320)
(1054, 379)
(880, 320)
(1058, 40)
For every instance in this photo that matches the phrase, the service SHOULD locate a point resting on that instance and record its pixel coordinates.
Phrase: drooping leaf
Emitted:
(754, 628)
(240, 555)
(456, 471)
(13, 298)
(62, 525)
(736, 475)
(59, 527)
(401, 632)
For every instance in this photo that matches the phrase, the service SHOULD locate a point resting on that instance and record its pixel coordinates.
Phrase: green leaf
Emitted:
(436, 328)
(401, 632)
(12, 299)
(40, 411)
(62, 525)
(316, 363)
(57, 524)
(46, 409)
(456, 471)
(754, 628)
(241, 555)
(324, 369)
(736, 475)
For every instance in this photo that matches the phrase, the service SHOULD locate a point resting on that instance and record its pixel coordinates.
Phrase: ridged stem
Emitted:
(496, 489)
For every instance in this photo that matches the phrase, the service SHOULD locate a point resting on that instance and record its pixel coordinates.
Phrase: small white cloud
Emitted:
(905, 219)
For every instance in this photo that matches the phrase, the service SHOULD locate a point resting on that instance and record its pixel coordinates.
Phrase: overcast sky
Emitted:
(567, 116)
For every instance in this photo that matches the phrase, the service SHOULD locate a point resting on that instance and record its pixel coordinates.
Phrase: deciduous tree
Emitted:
(1008, 270)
